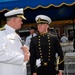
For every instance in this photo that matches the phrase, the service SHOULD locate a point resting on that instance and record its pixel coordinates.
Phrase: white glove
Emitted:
(38, 62)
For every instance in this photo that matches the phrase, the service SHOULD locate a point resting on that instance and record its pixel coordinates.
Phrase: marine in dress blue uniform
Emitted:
(43, 49)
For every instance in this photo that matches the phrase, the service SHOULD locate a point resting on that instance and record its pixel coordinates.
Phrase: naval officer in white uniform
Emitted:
(13, 56)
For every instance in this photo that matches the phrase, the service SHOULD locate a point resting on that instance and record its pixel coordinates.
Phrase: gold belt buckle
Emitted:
(45, 64)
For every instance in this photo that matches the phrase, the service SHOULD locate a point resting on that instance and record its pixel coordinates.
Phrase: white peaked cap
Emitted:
(43, 19)
(16, 13)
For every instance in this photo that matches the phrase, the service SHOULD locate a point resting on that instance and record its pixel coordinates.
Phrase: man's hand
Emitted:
(26, 53)
(60, 72)
(34, 74)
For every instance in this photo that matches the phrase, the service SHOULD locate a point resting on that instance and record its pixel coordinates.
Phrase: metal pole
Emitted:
(74, 28)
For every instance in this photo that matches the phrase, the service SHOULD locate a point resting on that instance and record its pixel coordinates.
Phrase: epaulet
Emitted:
(1, 29)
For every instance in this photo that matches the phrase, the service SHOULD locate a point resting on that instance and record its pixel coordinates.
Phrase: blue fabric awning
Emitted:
(65, 10)
(32, 4)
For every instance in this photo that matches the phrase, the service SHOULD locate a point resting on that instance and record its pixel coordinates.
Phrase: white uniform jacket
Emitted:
(11, 55)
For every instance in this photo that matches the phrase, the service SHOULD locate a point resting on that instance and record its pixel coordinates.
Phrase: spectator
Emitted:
(64, 38)
(32, 34)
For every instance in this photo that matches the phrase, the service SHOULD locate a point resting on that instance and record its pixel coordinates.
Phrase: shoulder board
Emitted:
(1, 29)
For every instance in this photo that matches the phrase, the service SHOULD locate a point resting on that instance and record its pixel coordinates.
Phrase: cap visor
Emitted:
(23, 17)
(42, 22)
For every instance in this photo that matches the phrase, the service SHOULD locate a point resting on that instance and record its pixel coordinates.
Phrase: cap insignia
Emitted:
(39, 19)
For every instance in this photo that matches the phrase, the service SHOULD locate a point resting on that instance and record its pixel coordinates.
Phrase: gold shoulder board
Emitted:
(1, 29)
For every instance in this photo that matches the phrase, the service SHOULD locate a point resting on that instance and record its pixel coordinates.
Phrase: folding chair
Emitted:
(69, 59)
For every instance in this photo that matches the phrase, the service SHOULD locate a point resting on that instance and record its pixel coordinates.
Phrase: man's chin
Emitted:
(18, 28)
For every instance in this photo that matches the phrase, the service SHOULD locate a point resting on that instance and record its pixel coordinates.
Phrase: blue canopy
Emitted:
(65, 8)
(32, 4)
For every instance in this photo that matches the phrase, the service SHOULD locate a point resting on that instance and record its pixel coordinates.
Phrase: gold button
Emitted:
(49, 50)
(49, 53)
(49, 46)
(48, 40)
(49, 56)
(41, 56)
(45, 64)
(49, 43)
(40, 51)
(39, 44)
(48, 37)
(39, 48)
(49, 59)
(39, 39)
